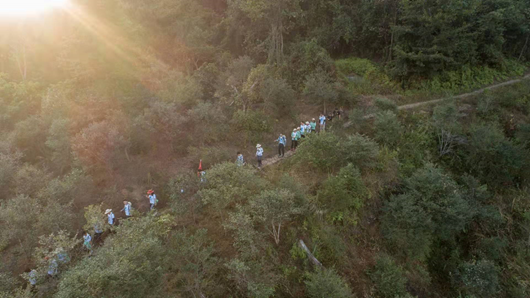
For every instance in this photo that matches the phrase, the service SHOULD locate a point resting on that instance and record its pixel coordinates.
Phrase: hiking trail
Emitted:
(461, 96)
(288, 153)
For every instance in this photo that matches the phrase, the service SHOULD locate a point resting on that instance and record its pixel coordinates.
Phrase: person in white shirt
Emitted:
(152, 199)
(110, 216)
(127, 207)
(259, 154)
(322, 120)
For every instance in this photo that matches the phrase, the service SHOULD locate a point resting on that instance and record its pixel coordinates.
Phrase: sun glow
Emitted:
(28, 7)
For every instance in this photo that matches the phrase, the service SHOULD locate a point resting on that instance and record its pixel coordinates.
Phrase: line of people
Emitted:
(297, 134)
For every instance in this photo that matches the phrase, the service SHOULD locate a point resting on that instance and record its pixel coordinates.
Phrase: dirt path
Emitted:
(461, 96)
(276, 159)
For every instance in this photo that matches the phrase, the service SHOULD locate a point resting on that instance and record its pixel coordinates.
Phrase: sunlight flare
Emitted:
(28, 7)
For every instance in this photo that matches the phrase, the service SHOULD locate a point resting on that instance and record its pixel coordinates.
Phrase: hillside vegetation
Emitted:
(106, 99)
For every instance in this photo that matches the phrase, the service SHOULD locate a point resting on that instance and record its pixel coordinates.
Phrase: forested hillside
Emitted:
(121, 122)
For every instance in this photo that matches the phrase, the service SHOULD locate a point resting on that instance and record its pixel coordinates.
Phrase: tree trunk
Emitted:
(309, 254)
(524, 47)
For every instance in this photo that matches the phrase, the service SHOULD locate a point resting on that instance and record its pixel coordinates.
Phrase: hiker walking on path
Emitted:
(110, 216)
(307, 128)
(53, 267)
(259, 154)
(152, 199)
(97, 232)
(302, 129)
(240, 161)
(282, 140)
(294, 140)
(86, 241)
(298, 136)
(322, 120)
(127, 207)
(313, 125)
(32, 277)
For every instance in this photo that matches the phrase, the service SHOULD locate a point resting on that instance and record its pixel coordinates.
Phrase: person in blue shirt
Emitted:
(86, 241)
(53, 267)
(293, 139)
(282, 140)
(313, 125)
(307, 128)
(62, 256)
(259, 154)
(32, 277)
(298, 136)
(152, 199)
(97, 232)
(127, 207)
(110, 216)
(322, 120)
(302, 129)
(240, 161)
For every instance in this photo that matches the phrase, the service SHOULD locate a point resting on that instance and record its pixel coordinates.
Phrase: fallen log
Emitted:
(309, 254)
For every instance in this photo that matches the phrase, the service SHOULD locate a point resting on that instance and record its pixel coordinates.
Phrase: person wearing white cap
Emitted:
(259, 154)
(110, 216)
(307, 127)
(294, 140)
(127, 206)
(302, 129)
(313, 125)
(282, 140)
(322, 120)
(298, 135)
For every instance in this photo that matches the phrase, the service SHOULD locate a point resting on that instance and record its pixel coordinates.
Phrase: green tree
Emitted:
(253, 124)
(130, 264)
(388, 128)
(360, 151)
(432, 207)
(478, 278)
(343, 195)
(228, 184)
(273, 208)
(326, 283)
(320, 89)
(388, 278)
(59, 142)
(95, 218)
(493, 158)
(320, 151)
(198, 269)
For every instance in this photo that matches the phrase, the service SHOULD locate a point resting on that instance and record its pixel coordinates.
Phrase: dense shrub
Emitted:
(385, 104)
(342, 195)
(325, 283)
(361, 151)
(320, 151)
(431, 207)
(130, 264)
(388, 129)
(226, 183)
(357, 66)
(493, 158)
(388, 278)
(478, 278)
(319, 88)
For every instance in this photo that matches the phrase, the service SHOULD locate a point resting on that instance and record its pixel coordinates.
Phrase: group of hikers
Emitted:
(297, 135)
(62, 257)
